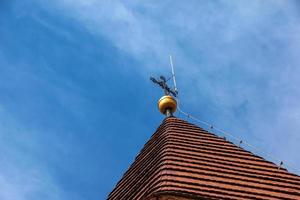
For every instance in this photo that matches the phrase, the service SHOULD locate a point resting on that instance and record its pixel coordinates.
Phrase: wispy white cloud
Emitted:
(25, 171)
(21, 177)
(242, 56)
(129, 29)
(237, 65)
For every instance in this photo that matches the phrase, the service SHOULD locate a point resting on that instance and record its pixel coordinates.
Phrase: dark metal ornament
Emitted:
(163, 84)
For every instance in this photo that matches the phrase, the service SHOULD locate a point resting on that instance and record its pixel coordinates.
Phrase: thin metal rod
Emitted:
(168, 112)
(173, 74)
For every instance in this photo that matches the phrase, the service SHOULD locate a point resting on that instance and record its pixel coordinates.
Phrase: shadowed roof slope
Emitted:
(185, 160)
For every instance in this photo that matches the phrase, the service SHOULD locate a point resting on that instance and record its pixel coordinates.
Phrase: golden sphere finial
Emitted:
(167, 103)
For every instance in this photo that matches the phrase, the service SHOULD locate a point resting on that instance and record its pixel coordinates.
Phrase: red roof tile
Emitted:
(181, 158)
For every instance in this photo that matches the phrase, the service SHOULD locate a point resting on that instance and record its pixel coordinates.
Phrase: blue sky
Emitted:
(76, 103)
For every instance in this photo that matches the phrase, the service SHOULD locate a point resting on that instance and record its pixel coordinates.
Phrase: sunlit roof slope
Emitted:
(184, 160)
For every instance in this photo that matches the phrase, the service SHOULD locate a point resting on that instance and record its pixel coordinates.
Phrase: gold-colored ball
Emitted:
(167, 102)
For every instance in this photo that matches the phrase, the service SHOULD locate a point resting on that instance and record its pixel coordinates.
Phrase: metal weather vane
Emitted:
(167, 104)
(162, 82)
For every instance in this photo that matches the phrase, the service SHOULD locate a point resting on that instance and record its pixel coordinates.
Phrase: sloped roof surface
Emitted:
(181, 158)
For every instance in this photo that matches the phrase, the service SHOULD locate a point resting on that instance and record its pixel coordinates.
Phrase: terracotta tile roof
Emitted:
(181, 158)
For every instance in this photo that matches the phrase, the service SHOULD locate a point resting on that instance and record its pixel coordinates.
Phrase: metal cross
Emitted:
(163, 84)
